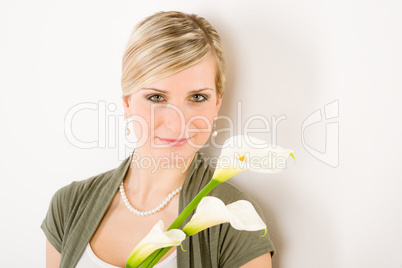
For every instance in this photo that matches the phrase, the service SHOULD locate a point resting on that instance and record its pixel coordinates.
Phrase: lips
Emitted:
(174, 142)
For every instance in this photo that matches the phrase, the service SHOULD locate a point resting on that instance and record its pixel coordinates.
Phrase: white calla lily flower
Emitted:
(155, 239)
(212, 211)
(244, 152)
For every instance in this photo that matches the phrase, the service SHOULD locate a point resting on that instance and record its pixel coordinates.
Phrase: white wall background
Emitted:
(286, 58)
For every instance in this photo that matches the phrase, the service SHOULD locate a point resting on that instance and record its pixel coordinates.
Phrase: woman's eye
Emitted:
(155, 98)
(195, 98)
(199, 98)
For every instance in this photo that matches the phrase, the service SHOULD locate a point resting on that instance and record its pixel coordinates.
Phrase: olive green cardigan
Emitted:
(76, 210)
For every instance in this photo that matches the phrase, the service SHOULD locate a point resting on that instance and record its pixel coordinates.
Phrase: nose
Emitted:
(173, 120)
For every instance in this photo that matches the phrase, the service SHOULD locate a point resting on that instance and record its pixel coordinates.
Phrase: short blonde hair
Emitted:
(166, 43)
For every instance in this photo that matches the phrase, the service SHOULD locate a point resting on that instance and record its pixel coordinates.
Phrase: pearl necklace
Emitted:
(147, 212)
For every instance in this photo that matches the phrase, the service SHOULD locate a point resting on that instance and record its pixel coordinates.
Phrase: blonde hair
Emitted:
(166, 43)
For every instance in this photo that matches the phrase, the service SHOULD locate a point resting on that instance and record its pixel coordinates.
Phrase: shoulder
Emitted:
(70, 198)
(78, 189)
(74, 207)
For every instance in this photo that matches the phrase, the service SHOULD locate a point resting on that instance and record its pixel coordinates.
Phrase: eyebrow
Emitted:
(166, 92)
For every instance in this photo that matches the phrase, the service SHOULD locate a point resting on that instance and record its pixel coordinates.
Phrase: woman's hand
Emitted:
(264, 261)
(52, 256)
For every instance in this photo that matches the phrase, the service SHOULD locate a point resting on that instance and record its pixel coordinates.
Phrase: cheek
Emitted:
(202, 119)
(141, 120)
(201, 126)
(200, 130)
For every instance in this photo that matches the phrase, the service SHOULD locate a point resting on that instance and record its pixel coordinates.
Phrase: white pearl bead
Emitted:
(147, 212)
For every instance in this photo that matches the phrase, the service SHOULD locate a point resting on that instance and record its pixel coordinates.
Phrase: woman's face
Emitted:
(173, 117)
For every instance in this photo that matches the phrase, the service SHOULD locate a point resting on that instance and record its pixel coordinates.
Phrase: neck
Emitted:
(145, 181)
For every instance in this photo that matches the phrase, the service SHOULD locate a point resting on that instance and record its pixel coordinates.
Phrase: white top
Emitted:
(90, 260)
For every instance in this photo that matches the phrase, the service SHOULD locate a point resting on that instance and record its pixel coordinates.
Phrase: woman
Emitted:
(173, 83)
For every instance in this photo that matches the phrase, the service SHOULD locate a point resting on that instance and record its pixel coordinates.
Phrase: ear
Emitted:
(219, 99)
(126, 105)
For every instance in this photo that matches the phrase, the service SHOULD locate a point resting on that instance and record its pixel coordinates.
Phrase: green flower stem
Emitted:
(158, 254)
(193, 204)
